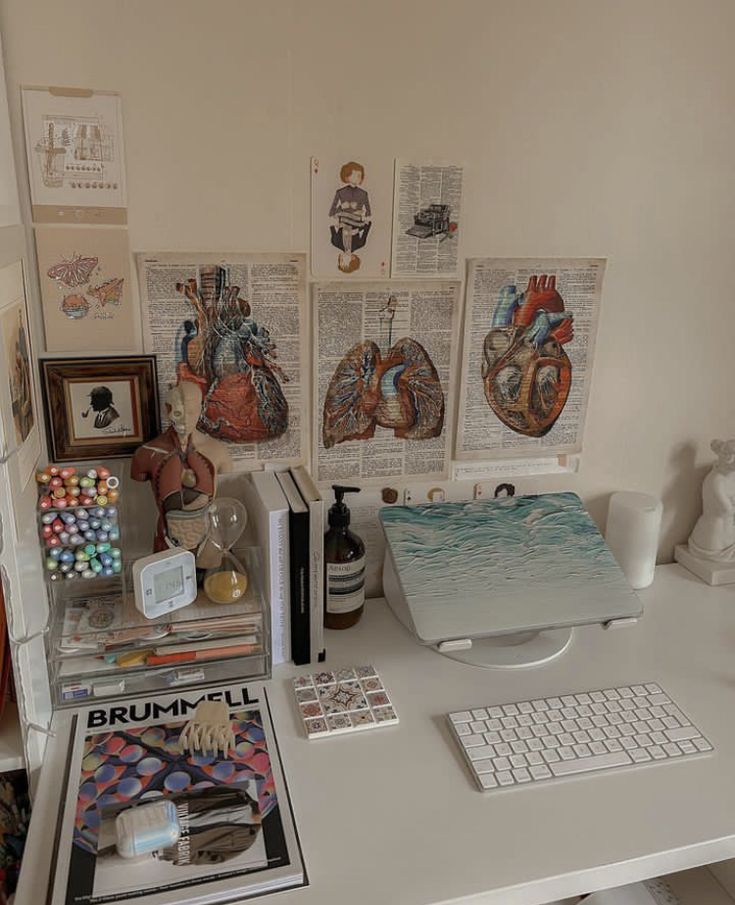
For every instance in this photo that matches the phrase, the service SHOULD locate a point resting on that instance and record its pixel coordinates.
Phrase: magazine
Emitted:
(236, 835)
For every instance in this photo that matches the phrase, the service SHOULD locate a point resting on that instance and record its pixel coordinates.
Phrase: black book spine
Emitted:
(300, 588)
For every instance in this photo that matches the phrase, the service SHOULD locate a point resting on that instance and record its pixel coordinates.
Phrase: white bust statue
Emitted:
(714, 534)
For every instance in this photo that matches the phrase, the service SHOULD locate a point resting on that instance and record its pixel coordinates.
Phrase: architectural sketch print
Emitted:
(232, 358)
(352, 215)
(525, 370)
(396, 387)
(74, 151)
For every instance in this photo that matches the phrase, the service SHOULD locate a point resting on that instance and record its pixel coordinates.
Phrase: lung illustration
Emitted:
(399, 390)
(525, 371)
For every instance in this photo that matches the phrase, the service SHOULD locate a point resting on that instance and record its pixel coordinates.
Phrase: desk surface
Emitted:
(391, 816)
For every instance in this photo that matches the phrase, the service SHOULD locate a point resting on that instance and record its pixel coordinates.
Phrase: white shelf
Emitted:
(11, 743)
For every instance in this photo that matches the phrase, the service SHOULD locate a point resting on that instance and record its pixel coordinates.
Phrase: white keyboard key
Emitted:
(464, 716)
(681, 733)
(597, 762)
(652, 688)
(494, 713)
(554, 703)
(656, 752)
(672, 749)
(597, 696)
(509, 722)
(639, 755)
(525, 707)
(702, 744)
(478, 726)
(687, 747)
(482, 751)
(472, 741)
(613, 744)
(492, 738)
(501, 763)
(540, 772)
(505, 778)
(534, 744)
(480, 714)
(463, 729)
(658, 699)
(597, 735)
(598, 748)
(488, 781)
(517, 760)
(483, 766)
(521, 775)
(503, 748)
(566, 753)
(493, 725)
(524, 733)
(510, 709)
(550, 756)
(534, 758)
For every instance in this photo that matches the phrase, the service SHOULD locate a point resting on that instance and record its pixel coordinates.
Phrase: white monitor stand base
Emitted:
(494, 652)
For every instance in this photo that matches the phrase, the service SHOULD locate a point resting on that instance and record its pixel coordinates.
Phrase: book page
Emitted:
(235, 325)
(427, 203)
(529, 338)
(385, 356)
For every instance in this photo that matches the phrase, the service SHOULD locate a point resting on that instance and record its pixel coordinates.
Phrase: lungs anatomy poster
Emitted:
(529, 339)
(385, 357)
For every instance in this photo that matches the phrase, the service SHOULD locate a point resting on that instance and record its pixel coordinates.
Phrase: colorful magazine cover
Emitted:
(236, 835)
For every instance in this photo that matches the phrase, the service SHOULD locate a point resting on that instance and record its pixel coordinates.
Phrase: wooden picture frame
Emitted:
(99, 408)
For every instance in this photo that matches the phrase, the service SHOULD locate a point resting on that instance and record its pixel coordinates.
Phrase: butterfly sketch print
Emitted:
(108, 292)
(74, 271)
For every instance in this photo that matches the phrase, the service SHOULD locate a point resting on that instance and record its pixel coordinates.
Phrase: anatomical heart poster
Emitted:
(529, 342)
(385, 363)
(235, 326)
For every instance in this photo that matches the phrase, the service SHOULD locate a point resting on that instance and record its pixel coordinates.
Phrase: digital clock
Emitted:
(164, 582)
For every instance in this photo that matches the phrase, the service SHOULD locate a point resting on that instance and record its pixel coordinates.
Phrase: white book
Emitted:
(312, 498)
(268, 511)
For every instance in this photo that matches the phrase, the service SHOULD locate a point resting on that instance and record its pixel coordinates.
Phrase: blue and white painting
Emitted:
(504, 564)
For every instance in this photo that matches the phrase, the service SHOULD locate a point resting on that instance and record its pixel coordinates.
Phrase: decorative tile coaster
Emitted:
(344, 700)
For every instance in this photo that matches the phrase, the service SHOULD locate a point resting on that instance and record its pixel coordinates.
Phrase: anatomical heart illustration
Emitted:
(525, 370)
(233, 359)
(393, 385)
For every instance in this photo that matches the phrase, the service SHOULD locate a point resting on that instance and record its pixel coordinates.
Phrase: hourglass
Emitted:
(227, 581)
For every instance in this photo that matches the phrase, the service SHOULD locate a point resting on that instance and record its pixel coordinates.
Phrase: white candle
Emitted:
(633, 525)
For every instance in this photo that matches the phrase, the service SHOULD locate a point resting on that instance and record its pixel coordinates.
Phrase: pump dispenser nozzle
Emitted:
(339, 514)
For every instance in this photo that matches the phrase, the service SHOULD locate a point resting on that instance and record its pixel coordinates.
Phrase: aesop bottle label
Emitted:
(345, 586)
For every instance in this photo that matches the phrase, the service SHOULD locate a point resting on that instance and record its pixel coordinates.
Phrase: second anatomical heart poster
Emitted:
(529, 339)
(385, 358)
(235, 326)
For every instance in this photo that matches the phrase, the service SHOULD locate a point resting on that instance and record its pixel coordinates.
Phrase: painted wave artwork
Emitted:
(460, 551)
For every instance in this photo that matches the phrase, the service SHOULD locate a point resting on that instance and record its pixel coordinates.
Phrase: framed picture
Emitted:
(99, 407)
(20, 438)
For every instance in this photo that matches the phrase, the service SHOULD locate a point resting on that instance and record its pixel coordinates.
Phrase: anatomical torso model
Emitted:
(182, 465)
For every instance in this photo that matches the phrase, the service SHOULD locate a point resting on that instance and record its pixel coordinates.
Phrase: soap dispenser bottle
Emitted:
(344, 556)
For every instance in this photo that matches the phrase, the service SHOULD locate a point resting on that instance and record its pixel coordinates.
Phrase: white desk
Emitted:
(391, 817)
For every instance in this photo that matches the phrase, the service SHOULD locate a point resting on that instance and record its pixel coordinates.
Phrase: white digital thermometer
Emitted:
(164, 582)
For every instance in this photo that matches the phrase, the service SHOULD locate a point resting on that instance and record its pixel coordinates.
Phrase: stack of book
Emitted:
(287, 515)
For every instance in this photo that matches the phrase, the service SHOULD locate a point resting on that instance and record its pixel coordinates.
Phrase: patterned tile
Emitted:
(339, 721)
(316, 727)
(344, 675)
(362, 718)
(364, 671)
(347, 699)
(306, 694)
(378, 699)
(312, 709)
(342, 698)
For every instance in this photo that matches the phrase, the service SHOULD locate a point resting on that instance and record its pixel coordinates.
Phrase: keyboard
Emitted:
(528, 742)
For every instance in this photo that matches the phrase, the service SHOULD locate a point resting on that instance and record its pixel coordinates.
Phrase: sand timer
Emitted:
(228, 581)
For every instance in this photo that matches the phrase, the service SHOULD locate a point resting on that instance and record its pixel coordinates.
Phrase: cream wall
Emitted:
(587, 127)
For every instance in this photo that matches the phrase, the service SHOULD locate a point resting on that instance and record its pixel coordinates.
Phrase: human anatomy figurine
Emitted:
(713, 537)
(182, 465)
